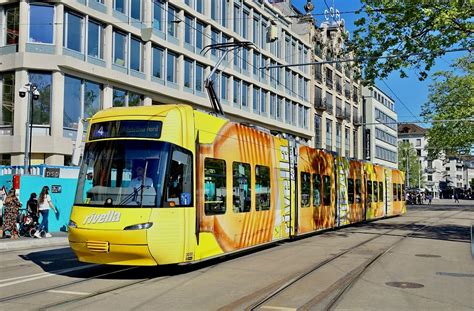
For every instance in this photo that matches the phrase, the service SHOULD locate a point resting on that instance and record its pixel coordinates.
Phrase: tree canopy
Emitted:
(418, 31)
(407, 158)
(451, 97)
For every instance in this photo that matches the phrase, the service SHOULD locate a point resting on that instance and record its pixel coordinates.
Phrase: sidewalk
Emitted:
(58, 239)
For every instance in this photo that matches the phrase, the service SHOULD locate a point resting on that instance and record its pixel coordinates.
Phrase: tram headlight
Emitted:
(139, 226)
(72, 224)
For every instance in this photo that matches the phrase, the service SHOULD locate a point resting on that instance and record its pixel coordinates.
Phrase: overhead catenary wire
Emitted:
(400, 101)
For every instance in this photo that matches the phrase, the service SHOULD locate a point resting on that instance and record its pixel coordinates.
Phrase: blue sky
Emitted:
(410, 91)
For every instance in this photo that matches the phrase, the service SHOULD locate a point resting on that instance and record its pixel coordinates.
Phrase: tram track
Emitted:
(336, 290)
(59, 286)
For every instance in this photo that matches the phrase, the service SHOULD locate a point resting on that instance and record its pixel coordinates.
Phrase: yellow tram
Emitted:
(169, 184)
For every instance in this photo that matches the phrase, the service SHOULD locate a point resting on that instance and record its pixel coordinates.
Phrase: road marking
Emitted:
(68, 292)
(37, 276)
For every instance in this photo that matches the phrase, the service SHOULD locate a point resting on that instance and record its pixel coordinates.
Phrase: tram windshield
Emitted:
(134, 173)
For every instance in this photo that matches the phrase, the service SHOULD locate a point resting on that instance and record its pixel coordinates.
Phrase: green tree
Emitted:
(424, 28)
(407, 157)
(451, 97)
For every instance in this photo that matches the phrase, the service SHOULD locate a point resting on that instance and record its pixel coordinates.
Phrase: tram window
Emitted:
(358, 197)
(262, 188)
(215, 189)
(375, 197)
(369, 191)
(380, 191)
(241, 189)
(316, 190)
(399, 192)
(327, 190)
(395, 198)
(179, 186)
(305, 189)
(350, 190)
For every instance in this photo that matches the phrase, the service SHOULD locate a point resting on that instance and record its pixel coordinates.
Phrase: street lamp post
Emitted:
(33, 94)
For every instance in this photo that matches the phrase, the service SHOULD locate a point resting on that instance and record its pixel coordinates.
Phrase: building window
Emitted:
(12, 23)
(279, 108)
(224, 86)
(136, 54)
(41, 23)
(188, 73)
(347, 142)
(200, 6)
(214, 40)
(119, 5)
(245, 94)
(200, 77)
(94, 39)
(173, 21)
(338, 138)
(158, 13)
(120, 48)
(328, 134)
(356, 145)
(237, 18)
(236, 97)
(418, 142)
(158, 62)
(123, 98)
(317, 132)
(7, 96)
(82, 99)
(256, 99)
(199, 35)
(42, 106)
(188, 29)
(273, 100)
(171, 67)
(136, 9)
(263, 102)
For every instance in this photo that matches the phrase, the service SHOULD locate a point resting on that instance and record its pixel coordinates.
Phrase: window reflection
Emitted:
(41, 23)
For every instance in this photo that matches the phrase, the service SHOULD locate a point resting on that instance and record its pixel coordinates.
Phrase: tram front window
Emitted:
(123, 173)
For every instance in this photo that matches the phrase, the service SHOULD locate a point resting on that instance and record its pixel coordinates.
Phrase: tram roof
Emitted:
(149, 111)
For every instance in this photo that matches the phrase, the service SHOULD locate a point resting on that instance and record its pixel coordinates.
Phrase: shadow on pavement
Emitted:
(444, 232)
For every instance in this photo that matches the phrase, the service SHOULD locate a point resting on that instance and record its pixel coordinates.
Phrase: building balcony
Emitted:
(355, 98)
(357, 120)
(318, 76)
(329, 83)
(320, 104)
(347, 115)
(347, 93)
(430, 170)
(339, 113)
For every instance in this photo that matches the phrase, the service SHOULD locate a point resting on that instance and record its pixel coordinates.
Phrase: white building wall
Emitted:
(380, 119)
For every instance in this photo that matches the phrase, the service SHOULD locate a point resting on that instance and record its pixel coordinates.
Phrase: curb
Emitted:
(30, 243)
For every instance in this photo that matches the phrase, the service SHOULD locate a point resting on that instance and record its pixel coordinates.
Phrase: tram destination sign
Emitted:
(126, 128)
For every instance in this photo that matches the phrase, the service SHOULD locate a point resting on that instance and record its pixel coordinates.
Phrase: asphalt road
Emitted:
(419, 261)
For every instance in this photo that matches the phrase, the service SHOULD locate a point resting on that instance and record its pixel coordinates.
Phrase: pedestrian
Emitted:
(32, 206)
(44, 205)
(429, 197)
(11, 206)
(456, 198)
